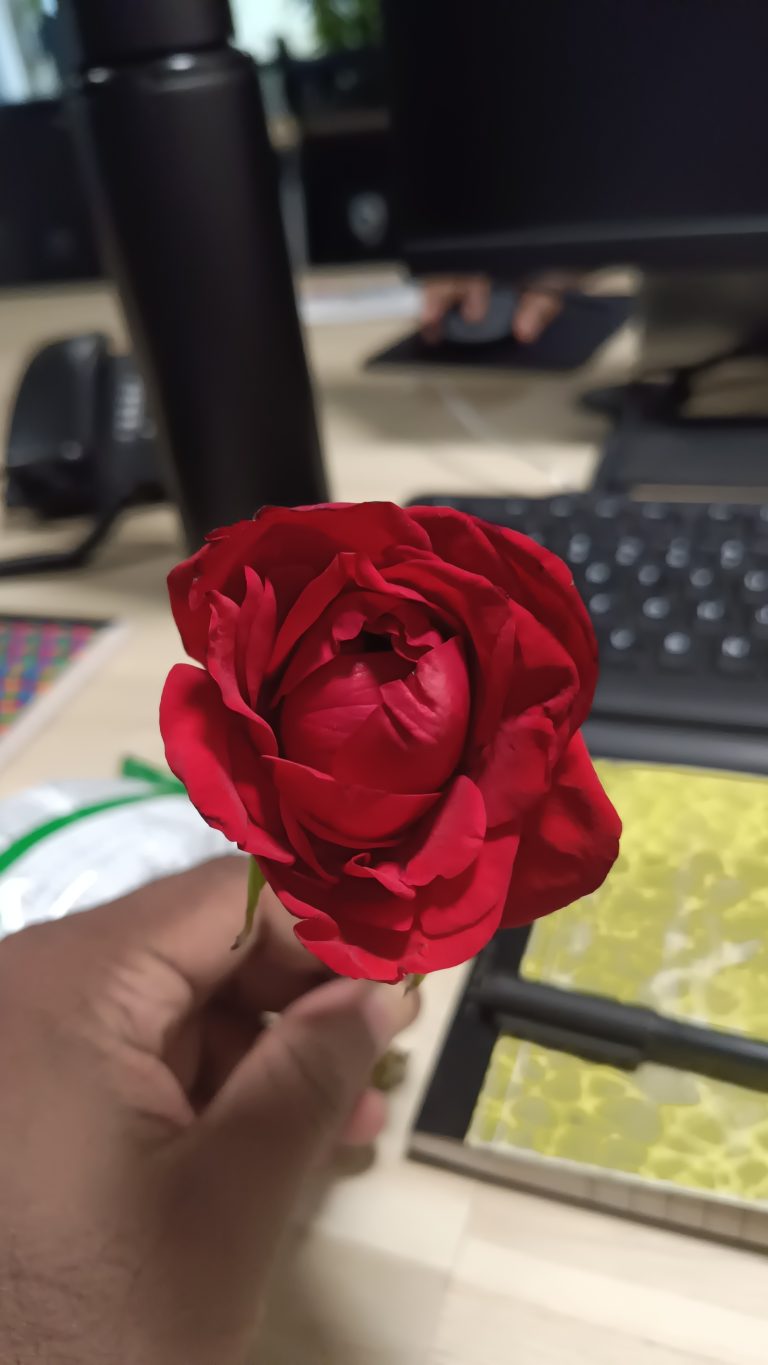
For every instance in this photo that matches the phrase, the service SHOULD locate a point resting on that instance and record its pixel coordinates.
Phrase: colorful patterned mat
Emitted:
(681, 925)
(34, 653)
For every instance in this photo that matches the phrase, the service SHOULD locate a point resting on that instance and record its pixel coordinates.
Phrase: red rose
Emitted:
(387, 718)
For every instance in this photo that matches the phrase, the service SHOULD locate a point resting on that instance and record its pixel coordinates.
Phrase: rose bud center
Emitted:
(375, 719)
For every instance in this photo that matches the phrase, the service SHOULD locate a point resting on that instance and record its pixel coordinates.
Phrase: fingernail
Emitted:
(388, 1011)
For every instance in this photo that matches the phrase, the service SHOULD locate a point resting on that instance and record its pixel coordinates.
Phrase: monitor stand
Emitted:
(691, 325)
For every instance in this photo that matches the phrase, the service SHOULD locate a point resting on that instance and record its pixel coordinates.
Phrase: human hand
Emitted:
(538, 305)
(154, 1134)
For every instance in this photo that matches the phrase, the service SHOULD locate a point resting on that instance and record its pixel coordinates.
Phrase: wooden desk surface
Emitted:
(400, 1264)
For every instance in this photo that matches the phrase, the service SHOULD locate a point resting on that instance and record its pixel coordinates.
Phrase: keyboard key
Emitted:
(657, 609)
(623, 639)
(494, 510)
(649, 575)
(621, 649)
(736, 647)
(701, 578)
(712, 610)
(563, 507)
(597, 573)
(737, 654)
(732, 554)
(678, 555)
(655, 511)
(629, 551)
(755, 585)
(602, 604)
(677, 650)
(713, 534)
(579, 548)
(759, 624)
(516, 509)
(608, 509)
(678, 642)
(720, 511)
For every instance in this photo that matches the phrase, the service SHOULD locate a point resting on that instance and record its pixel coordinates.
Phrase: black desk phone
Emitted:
(81, 443)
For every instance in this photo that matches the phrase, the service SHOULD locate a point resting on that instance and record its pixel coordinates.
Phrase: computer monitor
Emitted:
(46, 224)
(580, 133)
(47, 234)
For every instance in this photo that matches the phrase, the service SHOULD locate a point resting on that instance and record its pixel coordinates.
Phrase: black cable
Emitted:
(63, 560)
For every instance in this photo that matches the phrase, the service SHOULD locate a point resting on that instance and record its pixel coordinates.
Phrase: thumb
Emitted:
(292, 1094)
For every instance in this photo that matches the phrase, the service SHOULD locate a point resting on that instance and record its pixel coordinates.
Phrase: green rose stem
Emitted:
(256, 882)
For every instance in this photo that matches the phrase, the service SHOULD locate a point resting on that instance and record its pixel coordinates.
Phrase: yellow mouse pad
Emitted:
(682, 926)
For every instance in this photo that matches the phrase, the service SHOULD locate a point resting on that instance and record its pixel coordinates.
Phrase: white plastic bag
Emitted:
(67, 846)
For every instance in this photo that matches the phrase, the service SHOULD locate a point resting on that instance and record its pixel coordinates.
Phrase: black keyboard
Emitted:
(677, 593)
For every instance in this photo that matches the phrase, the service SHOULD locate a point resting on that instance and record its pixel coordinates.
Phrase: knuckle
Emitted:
(139, 994)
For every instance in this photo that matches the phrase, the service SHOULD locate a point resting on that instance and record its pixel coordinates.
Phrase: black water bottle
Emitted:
(185, 179)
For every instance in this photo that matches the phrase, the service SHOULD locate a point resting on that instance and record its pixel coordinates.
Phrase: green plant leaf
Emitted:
(343, 24)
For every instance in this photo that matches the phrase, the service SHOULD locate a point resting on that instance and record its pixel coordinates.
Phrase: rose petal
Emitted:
(447, 907)
(345, 573)
(304, 846)
(377, 957)
(352, 816)
(314, 537)
(388, 875)
(200, 738)
(287, 546)
(545, 674)
(444, 844)
(410, 627)
(499, 687)
(221, 663)
(515, 770)
(194, 725)
(452, 838)
(330, 708)
(216, 567)
(568, 844)
(411, 630)
(530, 574)
(479, 609)
(413, 739)
(255, 634)
(321, 643)
(288, 556)
(370, 528)
(192, 624)
(446, 924)
(310, 604)
(260, 799)
(482, 617)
